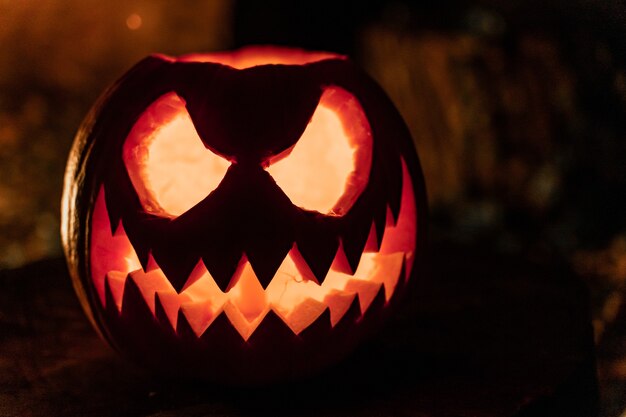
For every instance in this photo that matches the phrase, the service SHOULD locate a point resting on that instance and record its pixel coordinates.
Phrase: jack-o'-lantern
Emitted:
(242, 216)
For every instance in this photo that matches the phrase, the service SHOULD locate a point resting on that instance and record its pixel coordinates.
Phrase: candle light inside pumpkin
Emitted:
(318, 239)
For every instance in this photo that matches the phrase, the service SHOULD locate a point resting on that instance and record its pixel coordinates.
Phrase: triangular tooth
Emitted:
(142, 250)
(111, 210)
(151, 264)
(367, 291)
(266, 259)
(198, 315)
(164, 314)
(177, 264)
(400, 281)
(248, 298)
(389, 220)
(303, 315)
(377, 304)
(394, 187)
(134, 306)
(118, 230)
(350, 317)
(319, 329)
(318, 253)
(372, 243)
(197, 273)
(338, 302)
(110, 301)
(222, 265)
(221, 331)
(115, 281)
(354, 240)
(340, 262)
(271, 330)
(380, 219)
(183, 328)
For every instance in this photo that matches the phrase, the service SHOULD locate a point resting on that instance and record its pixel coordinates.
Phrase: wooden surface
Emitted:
(489, 336)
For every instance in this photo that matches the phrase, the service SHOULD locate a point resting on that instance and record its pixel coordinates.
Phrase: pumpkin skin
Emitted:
(246, 281)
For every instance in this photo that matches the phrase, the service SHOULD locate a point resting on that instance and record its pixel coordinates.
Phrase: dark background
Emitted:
(517, 109)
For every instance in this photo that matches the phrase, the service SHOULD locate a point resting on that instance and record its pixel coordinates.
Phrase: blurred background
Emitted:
(517, 109)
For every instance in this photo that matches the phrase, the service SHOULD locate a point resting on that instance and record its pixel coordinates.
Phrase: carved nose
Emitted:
(247, 183)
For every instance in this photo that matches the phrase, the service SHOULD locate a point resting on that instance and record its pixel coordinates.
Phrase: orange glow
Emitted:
(133, 21)
(329, 160)
(297, 300)
(325, 171)
(259, 55)
(168, 165)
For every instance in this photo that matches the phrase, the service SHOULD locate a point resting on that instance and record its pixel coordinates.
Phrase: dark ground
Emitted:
(490, 336)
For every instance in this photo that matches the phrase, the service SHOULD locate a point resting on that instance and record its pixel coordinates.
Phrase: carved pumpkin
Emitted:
(242, 216)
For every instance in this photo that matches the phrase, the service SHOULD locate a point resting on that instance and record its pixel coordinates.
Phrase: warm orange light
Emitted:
(331, 159)
(168, 165)
(325, 171)
(297, 300)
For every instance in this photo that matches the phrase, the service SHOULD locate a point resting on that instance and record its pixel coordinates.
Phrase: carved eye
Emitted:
(328, 168)
(168, 165)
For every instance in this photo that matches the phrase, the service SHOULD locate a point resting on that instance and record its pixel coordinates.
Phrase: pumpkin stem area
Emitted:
(295, 297)
(259, 55)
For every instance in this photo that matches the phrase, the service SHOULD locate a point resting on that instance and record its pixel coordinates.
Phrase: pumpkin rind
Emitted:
(245, 115)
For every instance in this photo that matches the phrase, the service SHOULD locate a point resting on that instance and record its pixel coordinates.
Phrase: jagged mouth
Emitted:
(299, 301)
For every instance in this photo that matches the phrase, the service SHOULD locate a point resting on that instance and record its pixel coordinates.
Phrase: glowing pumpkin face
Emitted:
(235, 219)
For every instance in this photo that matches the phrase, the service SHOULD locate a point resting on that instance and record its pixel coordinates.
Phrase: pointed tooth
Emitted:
(222, 332)
(151, 264)
(166, 316)
(318, 253)
(350, 317)
(319, 329)
(271, 329)
(340, 262)
(354, 240)
(198, 315)
(338, 303)
(377, 304)
(114, 282)
(367, 291)
(176, 263)
(401, 284)
(183, 328)
(198, 272)
(222, 265)
(118, 229)
(143, 253)
(380, 219)
(248, 296)
(134, 306)
(170, 304)
(372, 243)
(138, 241)
(112, 211)
(111, 305)
(304, 315)
(394, 186)
(266, 258)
